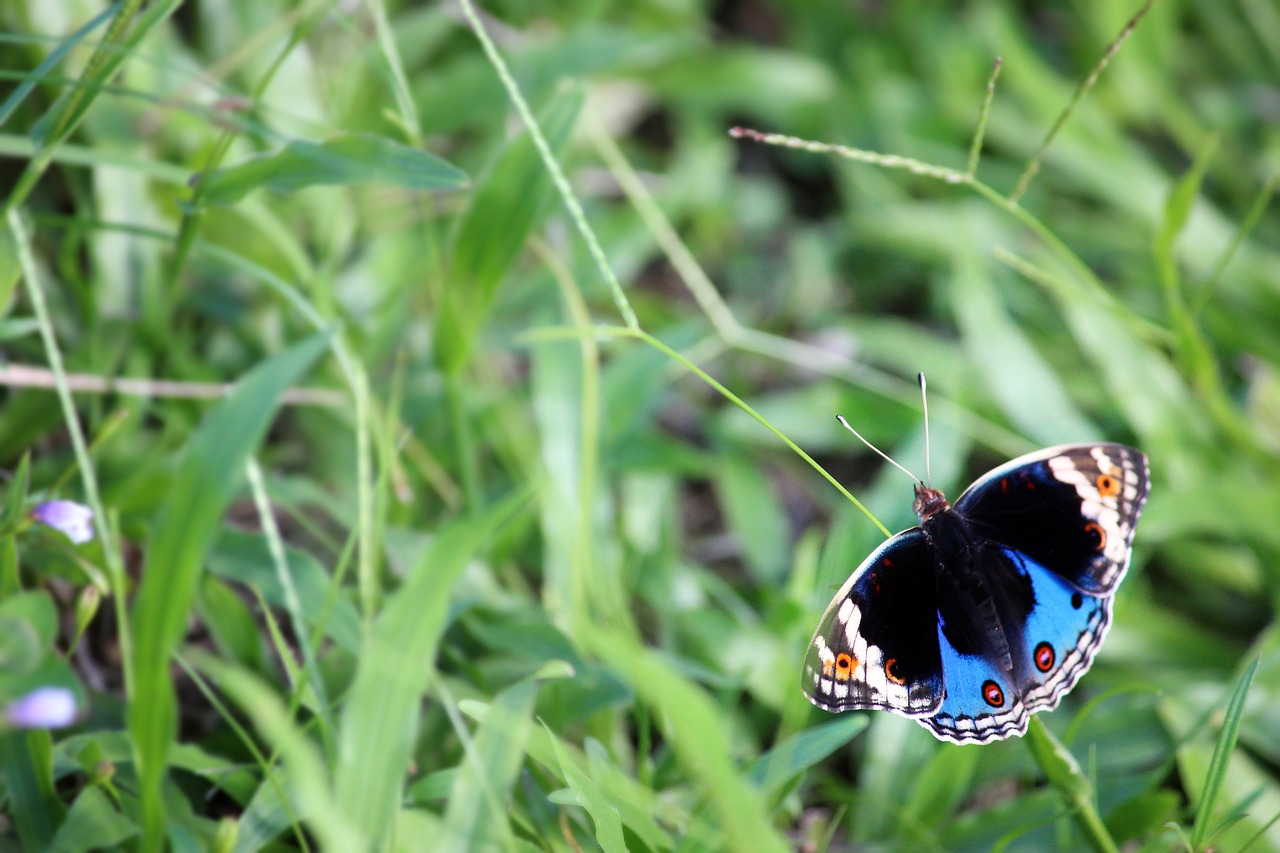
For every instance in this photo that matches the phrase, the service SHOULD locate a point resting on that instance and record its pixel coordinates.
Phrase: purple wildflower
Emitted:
(43, 708)
(73, 519)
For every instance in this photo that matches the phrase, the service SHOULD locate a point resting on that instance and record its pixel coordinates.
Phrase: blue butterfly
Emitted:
(991, 609)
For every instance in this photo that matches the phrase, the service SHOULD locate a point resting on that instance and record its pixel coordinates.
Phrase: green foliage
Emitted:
(342, 161)
(530, 562)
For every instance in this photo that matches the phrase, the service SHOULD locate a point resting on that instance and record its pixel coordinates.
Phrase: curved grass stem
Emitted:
(1064, 774)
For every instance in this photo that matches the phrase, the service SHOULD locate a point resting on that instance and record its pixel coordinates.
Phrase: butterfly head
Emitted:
(929, 502)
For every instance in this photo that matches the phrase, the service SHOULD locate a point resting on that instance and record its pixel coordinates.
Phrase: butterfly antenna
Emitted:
(924, 399)
(883, 455)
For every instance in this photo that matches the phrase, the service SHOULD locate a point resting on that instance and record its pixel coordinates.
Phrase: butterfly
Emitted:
(992, 608)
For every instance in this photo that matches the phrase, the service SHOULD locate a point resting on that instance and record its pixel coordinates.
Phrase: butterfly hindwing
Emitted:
(1052, 631)
(1060, 637)
(876, 646)
(982, 702)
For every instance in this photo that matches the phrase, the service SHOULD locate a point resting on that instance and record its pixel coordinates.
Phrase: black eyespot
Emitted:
(992, 694)
(1076, 600)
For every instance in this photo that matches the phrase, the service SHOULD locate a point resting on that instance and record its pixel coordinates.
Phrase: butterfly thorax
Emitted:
(929, 502)
(968, 613)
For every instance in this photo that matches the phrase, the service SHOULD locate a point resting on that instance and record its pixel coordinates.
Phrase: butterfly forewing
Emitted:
(1071, 509)
(876, 646)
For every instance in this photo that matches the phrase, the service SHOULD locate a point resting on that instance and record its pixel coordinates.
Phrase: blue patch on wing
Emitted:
(1063, 631)
(981, 701)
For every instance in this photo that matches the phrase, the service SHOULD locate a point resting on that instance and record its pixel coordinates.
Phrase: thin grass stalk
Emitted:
(88, 475)
(742, 404)
(193, 212)
(553, 167)
(732, 334)
(267, 764)
(979, 134)
(1259, 207)
(293, 604)
(682, 260)
(590, 600)
(40, 74)
(861, 155)
(357, 380)
(106, 59)
(1033, 165)
(400, 88)
(117, 45)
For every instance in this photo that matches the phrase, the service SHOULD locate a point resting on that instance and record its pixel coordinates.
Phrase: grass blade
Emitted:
(396, 665)
(345, 160)
(1027, 388)
(26, 87)
(119, 43)
(606, 818)
(492, 232)
(700, 740)
(210, 469)
(1221, 760)
(801, 751)
(308, 777)
(26, 763)
(476, 817)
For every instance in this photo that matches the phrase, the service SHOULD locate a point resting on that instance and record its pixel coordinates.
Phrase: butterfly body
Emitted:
(993, 607)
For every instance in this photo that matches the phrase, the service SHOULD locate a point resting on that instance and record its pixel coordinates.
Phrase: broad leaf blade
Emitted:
(26, 765)
(699, 740)
(92, 824)
(589, 795)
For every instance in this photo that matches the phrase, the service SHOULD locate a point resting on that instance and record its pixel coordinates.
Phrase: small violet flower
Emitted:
(73, 519)
(43, 708)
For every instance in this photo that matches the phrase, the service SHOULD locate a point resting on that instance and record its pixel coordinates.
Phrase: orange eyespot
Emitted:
(846, 666)
(992, 694)
(1108, 486)
(1096, 535)
(891, 671)
(1044, 657)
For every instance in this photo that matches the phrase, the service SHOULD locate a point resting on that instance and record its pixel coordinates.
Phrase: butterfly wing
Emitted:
(1071, 510)
(1052, 630)
(1060, 637)
(1055, 531)
(982, 702)
(876, 646)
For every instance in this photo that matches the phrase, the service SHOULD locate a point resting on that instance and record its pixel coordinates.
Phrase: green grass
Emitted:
(530, 491)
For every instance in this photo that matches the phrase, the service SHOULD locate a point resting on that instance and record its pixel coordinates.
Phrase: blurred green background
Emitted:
(484, 488)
